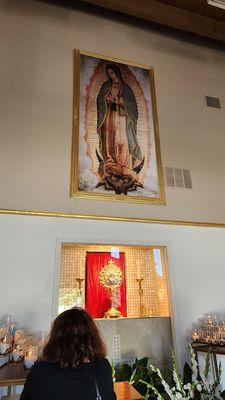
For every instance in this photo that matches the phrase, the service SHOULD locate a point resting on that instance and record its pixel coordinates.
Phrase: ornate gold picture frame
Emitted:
(115, 146)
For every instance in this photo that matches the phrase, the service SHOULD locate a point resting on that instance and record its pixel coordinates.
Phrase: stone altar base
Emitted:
(128, 338)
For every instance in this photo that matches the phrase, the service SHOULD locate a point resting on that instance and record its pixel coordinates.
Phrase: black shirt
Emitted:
(46, 381)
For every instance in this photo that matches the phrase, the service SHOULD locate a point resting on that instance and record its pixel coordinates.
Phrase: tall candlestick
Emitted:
(80, 280)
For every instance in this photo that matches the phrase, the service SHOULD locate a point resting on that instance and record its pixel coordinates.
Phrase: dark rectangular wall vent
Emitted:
(178, 177)
(212, 102)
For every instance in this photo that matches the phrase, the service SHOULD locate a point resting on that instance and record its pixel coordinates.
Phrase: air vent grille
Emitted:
(212, 102)
(178, 177)
(116, 349)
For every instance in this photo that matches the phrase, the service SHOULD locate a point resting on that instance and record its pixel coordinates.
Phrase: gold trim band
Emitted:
(111, 218)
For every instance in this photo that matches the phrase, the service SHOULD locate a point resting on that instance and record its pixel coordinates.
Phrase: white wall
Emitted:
(28, 257)
(36, 80)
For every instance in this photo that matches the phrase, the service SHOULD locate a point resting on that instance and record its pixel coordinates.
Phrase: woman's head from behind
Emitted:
(74, 339)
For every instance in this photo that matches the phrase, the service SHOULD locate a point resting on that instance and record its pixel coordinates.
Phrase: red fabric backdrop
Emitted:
(97, 297)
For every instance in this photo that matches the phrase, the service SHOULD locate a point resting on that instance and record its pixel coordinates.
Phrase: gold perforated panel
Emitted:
(140, 261)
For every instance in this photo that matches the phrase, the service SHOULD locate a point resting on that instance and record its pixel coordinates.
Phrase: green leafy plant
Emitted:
(137, 374)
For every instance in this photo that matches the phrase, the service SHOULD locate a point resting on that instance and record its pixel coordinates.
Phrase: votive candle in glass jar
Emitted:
(4, 345)
(30, 357)
(16, 354)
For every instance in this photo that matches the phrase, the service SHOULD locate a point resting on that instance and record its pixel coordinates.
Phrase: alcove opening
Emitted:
(142, 293)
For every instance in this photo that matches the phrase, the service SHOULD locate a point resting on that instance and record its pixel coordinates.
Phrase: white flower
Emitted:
(194, 364)
(187, 386)
(176, 380)
(199, 387)
(178, 395)
(164, 383)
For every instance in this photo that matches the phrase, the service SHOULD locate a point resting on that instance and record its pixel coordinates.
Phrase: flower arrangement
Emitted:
(192, 386)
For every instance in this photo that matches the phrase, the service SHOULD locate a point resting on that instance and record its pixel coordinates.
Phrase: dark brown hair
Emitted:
(74, 339)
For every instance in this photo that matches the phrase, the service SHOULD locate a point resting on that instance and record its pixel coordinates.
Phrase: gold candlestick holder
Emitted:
(141, 295)
(80, 281)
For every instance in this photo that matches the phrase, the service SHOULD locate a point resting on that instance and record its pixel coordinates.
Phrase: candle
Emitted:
(195, 336)
(29, 361)
(31, 357)
(15, 355)
(4, 346)
(3, 332)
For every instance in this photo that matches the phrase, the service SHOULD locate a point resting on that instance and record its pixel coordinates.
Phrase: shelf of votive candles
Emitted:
(216, 339)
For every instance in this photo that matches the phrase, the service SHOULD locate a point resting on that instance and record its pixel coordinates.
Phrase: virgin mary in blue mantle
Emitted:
(119, 152)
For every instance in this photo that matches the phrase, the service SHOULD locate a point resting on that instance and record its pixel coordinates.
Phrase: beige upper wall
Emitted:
(36, 80)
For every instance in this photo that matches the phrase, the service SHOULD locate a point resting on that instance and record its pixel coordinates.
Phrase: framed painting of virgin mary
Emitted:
(115, 146)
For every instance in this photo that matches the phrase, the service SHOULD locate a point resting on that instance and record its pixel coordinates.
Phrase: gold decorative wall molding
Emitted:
(112, 218)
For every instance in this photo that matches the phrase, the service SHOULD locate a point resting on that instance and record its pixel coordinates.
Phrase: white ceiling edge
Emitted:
(217, 3)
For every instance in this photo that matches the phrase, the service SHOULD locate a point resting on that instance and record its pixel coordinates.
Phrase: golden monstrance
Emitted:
(111, 277)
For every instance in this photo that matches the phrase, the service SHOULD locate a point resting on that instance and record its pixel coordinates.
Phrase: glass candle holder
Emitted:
(16, 354)
(3, 332)
(4, 346)
(195, 336)
(30, 357)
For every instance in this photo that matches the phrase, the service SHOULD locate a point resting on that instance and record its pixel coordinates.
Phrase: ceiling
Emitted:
(194, 16)
(199, 7)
